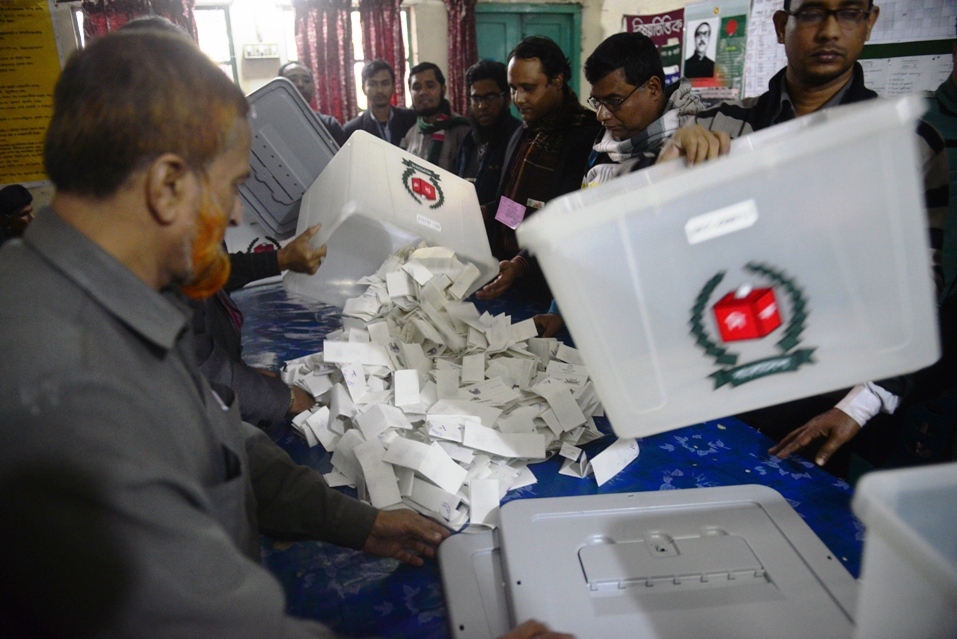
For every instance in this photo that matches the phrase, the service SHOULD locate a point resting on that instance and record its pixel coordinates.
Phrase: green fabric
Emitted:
(442, 123)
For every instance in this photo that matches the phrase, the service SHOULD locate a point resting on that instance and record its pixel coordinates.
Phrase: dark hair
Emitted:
(636, 53)
(787, 4)
(551, 56)
(290, 64)
(487, 70)
(129, 97)
(155, 23)
(371, 68)
(13, 198)
(423, 67)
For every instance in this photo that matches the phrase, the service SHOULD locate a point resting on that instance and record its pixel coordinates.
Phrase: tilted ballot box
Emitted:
(372, 199)
(798, 264)
(290, 148)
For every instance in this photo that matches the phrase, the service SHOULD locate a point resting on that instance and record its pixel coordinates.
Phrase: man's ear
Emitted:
(871, 19)
(558, 80)
(169, 187)
(654, 86)
(780, 19)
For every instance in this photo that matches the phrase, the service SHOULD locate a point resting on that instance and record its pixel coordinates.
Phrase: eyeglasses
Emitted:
(814, 16)
(613, 104)
(488, 98)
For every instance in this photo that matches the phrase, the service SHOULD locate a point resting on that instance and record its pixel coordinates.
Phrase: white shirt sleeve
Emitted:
(863, 402)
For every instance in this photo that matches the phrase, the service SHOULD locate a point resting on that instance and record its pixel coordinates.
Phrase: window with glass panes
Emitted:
(292, 53)
(216, 37)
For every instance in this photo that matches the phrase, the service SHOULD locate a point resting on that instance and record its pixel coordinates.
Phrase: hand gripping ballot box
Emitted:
(290, 148)
(799, 264)
(372, 199)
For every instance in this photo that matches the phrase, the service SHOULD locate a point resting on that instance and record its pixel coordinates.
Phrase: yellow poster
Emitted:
(29, 68)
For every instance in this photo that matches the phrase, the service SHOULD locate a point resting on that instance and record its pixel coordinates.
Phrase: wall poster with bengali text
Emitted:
(714, 47)
(665, 30)
(29, 68)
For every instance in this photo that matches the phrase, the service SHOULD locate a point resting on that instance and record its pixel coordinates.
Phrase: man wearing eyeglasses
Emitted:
(482, 154)
(638, 112)
(823, 40)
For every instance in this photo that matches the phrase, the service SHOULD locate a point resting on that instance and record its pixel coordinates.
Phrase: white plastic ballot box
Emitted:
(799, 264)
(909, 573)
(372, 199)
(290, 148)
(732, 562)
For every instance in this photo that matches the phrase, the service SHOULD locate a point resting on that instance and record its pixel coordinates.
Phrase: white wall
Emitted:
(428, 22)
(255, 22)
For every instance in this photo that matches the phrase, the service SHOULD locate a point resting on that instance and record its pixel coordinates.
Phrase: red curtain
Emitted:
(463, 50)
(381, 22)
(104, 16)
(324, 41)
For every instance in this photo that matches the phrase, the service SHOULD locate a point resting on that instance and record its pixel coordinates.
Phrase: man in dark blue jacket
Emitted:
(482, 154)
(381, 119)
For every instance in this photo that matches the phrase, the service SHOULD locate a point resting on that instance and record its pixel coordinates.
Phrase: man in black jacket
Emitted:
(546, 158)
(381, 119)
(481, 157)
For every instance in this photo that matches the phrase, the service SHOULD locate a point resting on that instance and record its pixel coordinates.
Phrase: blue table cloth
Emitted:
(361, 595)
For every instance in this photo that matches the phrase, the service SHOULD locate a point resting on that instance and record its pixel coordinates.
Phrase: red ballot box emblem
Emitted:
(423, 188)
(747, 314)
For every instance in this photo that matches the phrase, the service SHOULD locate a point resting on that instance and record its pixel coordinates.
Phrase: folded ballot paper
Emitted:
(425, 402)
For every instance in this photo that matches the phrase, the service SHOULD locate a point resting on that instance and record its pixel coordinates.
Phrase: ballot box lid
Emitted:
(796, 265)
(372, 199)
(734, 561)
(290, 148)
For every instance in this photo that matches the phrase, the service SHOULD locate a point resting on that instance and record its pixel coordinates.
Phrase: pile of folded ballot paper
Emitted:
(423, 401)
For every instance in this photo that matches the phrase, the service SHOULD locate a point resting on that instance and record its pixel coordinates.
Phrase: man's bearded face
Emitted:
(210, 262)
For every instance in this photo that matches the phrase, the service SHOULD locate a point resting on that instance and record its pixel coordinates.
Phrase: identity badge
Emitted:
(510, 213)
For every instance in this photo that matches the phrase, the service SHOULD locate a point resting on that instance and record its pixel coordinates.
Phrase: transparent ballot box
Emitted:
(374, 198)
(799, 264)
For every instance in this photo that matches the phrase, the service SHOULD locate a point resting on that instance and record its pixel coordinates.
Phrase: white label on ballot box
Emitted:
(721, 222)
(428, 222)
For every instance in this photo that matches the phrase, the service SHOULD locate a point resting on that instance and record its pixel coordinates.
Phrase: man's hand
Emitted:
(303, 400)
(507, 273)
(835, 424)
(696, 144)
(548, 324)
(404, 535)
(299, 257)
(531, 629)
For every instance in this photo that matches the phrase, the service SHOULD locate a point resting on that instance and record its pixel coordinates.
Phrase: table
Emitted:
(361, 595)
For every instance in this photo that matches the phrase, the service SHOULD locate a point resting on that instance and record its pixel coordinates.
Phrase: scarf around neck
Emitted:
(443, 122)
(680, 109)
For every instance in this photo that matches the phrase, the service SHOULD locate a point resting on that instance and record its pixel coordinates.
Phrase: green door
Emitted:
(501, 26)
